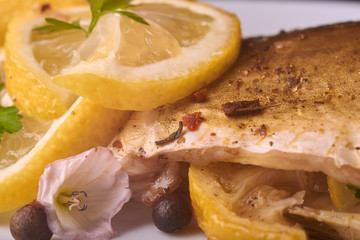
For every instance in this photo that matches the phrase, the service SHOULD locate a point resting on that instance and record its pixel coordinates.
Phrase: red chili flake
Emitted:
(192, 121)
(262, 130)
(117, 144)
(201, 95)
(45, 7)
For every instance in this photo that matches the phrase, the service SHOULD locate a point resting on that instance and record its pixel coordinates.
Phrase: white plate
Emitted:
(257, 18)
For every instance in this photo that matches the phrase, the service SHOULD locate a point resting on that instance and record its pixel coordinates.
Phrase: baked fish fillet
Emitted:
(292, 102)
(289, 105)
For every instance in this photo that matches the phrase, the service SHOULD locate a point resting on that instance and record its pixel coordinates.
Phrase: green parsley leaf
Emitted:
(58, 25)
(98, 8)
(9, 120)
(133, 16)
(95, 6)
(113, 5)
(2, 85)
(356, 189)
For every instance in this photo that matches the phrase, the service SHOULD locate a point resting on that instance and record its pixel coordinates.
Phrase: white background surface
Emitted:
(257, 18)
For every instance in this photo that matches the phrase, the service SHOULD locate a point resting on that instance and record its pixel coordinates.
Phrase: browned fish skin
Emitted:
(315, 71)
(311, 78)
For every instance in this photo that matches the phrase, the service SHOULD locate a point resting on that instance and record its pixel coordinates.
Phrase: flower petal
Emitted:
(95, 172)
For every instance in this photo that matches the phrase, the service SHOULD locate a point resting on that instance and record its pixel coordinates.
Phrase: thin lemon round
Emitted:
(27, 83)
(124, 64)
(25, 154)
(186, 46)
(11, 8)
(216, 217)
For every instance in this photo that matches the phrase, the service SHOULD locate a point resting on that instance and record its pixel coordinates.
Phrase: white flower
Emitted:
(81, 194)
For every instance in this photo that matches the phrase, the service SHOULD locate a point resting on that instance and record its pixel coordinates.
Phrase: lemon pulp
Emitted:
(122, 64)
(15, 146)
(54, 51)
(10, 9)
(83, 126)
(185, 26)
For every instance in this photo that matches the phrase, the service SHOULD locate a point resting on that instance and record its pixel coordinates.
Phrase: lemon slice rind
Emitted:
(217, 220)
(83, 126)
(151, 85)
(28, 84)
(103, 80)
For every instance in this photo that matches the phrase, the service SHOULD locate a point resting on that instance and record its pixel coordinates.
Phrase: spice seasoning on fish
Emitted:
(172, 136)
(262, 130)
(45, 7)
(192, 121)
(236, 84)
(294, 83)
(117, 144)
(233, 108)
(236, 108)
(201, 95)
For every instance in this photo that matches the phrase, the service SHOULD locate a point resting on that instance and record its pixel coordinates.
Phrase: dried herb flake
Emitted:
(243, 107)
(172, 136)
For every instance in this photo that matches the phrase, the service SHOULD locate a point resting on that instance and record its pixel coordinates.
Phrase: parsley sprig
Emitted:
(9, 119)
(98, 9)
(356, 189)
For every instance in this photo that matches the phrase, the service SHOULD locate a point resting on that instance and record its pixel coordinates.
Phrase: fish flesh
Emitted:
(289, 106)
(307, 86)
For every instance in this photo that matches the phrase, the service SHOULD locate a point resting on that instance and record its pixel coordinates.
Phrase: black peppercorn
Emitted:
(30, 222)
(170, 213)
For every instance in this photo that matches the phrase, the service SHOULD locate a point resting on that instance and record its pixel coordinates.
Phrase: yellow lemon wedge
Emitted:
(24, 155)
(342, 197)
(122, 64)
(219, 211)
(11, 8)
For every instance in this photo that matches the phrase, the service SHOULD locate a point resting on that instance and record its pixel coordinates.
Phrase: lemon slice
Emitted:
(27, 82)
(25, 154)
(11, 8)
(123, 64)
(219, 210)
(342, 197)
